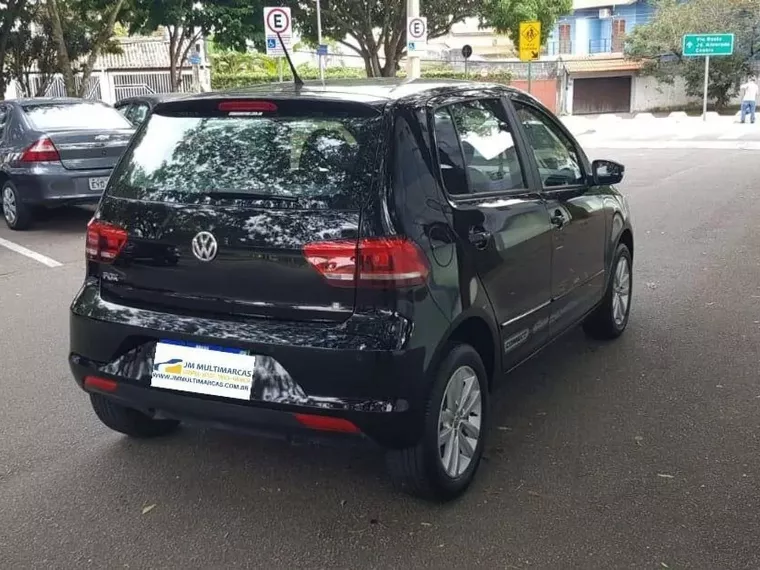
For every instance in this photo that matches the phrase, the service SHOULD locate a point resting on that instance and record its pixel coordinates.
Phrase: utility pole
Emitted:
(319, 43)
(412, 61)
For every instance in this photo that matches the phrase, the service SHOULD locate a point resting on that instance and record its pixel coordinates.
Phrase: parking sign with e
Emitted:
(416, 34)
(278, 20)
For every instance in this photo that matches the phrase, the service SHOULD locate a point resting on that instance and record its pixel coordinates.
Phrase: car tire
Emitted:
(610, 318)
(428, 469)
(129, 421)
(17, 214)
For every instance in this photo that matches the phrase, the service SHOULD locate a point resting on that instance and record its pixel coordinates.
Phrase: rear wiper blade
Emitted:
(248, 196)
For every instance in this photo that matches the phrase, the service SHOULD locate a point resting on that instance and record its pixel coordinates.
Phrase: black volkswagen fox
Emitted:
(363, 258)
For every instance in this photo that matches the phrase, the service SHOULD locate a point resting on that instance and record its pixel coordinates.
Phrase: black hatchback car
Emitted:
(366, 259)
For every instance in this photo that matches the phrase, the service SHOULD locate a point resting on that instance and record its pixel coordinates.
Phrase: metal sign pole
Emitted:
(530, 76)
(707, 81)
(319, 42)
(279, 59)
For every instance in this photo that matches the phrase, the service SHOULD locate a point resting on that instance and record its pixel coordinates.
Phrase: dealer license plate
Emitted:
(210, 370)
(98, 184)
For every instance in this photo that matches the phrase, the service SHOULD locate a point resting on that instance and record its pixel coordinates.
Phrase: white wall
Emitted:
(648, 94)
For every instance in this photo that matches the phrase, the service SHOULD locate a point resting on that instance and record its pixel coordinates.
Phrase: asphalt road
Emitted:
(638, 454)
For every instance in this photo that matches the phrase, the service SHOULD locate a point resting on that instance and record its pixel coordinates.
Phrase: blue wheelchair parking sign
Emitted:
(271, 43)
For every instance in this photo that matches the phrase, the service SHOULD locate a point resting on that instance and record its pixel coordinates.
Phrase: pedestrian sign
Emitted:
(696, 45)
(278, 21)
(530, 40)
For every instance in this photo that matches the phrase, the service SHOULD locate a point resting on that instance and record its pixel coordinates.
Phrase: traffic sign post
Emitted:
(706, 45)
(466, 53)
(530, 44)
(278, 21)
(416, 34)
(412, 55)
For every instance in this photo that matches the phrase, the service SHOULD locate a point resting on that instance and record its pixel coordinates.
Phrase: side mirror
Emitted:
(606, 172)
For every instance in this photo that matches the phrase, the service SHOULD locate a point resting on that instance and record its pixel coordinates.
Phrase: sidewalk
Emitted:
(675, 131)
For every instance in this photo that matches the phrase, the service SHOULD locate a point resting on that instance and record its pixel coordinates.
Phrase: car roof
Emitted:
(35, 101)
(368, 91)
(152, 98)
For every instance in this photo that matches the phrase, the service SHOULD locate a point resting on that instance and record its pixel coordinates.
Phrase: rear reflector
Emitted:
(102, 384)
(326, 423)
(104, 241)
(41, 151)
(247, 106)
(372, 262)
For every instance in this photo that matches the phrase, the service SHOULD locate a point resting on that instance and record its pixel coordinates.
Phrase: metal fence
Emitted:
(136, 84)
(106, 86)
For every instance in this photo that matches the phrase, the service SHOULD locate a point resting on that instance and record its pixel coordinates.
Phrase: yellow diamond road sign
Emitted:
(530, 41)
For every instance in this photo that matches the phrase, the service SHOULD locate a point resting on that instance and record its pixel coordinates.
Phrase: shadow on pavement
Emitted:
(67, 220)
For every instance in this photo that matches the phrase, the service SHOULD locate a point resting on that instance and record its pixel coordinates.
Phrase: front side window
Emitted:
(559, 162)
(484, 139)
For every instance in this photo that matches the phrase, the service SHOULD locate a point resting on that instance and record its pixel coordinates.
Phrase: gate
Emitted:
(135, 84)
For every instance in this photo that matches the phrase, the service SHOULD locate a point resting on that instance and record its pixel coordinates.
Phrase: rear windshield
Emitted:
(319, 159)
(75, 116)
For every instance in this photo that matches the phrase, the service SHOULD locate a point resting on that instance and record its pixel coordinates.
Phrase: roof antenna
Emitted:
(296, 79)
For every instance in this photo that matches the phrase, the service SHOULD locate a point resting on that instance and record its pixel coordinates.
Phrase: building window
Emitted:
(618, 35)
(565, 43)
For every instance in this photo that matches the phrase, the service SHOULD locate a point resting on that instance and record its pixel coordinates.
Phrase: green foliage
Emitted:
(377, 26)
(247, 78)
(28, 51)
(505, 15)
(233, 22)
(658, 44)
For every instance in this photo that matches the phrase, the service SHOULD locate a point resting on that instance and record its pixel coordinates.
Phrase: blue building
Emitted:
(597, 27)
(590, 41)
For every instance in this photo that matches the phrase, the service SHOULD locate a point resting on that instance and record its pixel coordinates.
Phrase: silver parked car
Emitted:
(56, 152)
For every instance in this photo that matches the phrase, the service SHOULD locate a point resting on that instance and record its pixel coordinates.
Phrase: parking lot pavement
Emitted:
(56, 239)
(642, 453)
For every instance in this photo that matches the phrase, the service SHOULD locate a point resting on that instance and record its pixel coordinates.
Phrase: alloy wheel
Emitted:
(621, 291)
(10, 210)
(459, 421)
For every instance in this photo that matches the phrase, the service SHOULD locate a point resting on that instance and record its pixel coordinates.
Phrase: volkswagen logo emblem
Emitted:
(204, 246)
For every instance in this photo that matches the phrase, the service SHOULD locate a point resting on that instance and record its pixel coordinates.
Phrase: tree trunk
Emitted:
(64, 62)
(104, 34)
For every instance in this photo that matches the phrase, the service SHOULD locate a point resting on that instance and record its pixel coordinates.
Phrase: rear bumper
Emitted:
(309, 368)
(52, 185)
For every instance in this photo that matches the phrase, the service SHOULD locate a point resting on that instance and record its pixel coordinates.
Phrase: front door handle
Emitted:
(479, 237)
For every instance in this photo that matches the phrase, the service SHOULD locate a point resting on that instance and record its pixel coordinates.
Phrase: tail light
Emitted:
(41, 151)
(326, 423)
(247, 106)
(102, 384)
(372, 262)
(104, 241)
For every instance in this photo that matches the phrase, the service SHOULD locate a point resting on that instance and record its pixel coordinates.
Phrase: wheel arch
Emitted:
(476, 330)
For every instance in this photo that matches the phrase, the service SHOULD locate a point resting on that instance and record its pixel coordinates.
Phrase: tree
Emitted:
(88, 23)
(505, 15)
(658, 44)
(377, 26)
(9, 15)
(233, 22)
(31, 49)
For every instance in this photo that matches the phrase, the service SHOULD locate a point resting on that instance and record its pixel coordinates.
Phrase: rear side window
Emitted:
(485, 146)
(75, 116)
(321, 157)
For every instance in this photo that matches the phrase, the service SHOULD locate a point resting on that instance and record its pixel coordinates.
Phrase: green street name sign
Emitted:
(695, 45)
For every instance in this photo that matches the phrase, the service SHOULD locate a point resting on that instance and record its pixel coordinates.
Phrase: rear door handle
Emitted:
(558, 219)
(479, 237)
